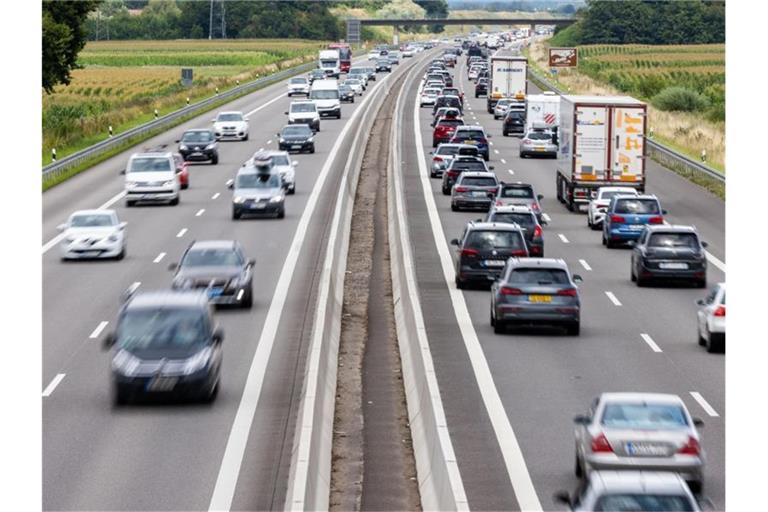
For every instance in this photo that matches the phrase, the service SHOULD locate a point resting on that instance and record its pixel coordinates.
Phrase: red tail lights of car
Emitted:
(470, 253)
(537, 232)
(617, 218)
(520, 252)
(535, 206)
(656, 220)
(506, 290)
(437, 159)
(461, 189)
(720, 311)
(568, 292)
(600, 444)
(691, 447)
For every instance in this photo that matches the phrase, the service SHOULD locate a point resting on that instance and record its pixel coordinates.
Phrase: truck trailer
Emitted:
(508, 78)
(542, 111)
(602, 143)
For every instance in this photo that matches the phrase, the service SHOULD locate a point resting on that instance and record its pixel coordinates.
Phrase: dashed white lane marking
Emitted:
(510, 171)
(704, 404)
(496, 151)
(55, 382)
(98, 329)
(585, 265)
(264, 105)
(216, 195)
(562, 237)
(269, 141)
(200, 212)
(613, 298)
(545, 216)
(502, 160)
(159, 258)
(650, 342)
(261, 149)
(490, 143)
(181, 233)
(716, 262)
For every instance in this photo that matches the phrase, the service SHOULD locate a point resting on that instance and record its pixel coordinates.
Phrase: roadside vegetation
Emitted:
(121, 83)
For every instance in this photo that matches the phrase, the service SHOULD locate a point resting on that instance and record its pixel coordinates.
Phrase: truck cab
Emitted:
(330, 63)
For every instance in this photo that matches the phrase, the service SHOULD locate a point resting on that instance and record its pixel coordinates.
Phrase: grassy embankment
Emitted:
(122, 82)
(654, 74)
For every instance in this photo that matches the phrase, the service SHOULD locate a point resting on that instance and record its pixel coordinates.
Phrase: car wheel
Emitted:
(641, 283)
(454, 208)
(215, 159)
(210, 396)
(175, 201)
(119, 396)
(573, 329)
(493, 319)
(446, 191)
(701, 283)
(248, 302)
(246, 136)
(632, 276)
(578, 469)
(121, 256)
(129, 203)
(499, 327)
(281, 214)
(702, 340)
(609, 244)
(235, 215)
(292, 190)
(432, 174)
(185, 186)
(459, 283)
(696, 486)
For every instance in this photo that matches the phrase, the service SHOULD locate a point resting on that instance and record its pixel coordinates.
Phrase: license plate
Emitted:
(196, 153)
(479, 193)
(88, 254)
(296, 146)
(214, 292)
(636, 227)
(257, 206)
(148, 196)
(539, 149)
(539, 298)
(162, 383)
(673, 266)
(645, 449)
(495, 263)
(473, 142)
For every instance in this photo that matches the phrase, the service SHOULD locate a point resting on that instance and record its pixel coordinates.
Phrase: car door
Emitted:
(583, 438)
(706, 309)
(637, 250)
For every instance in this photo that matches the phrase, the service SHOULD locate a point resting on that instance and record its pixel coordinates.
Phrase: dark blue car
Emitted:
(627, 216)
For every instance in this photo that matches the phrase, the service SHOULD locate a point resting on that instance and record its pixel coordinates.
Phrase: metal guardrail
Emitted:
(54, 168)
(664, 154)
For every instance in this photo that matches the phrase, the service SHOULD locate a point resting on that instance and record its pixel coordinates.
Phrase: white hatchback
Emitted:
(711, 319)
(93, 234)
(599, 204)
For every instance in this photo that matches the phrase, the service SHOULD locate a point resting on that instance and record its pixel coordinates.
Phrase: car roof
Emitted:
(512, 208)
(516, 184)
(639, 196)
(610, 189)
(275, 152)
(633, 397)
(165, 298)
(477, 174)
(198, 130)
(231, 112)
(213, 244)
(540, 263)
(93, 212)
(446, 96)
(153, 154)
(671, 228)
(468, 127)
(637, 481)
(493, 226)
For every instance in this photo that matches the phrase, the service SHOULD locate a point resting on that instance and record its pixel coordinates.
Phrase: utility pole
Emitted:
(210, 23)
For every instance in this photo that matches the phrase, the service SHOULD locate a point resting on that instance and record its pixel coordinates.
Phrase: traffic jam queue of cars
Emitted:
(636, 450)
(168, 343)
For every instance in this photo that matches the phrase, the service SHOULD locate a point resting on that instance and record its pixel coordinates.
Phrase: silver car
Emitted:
(630, 491)
(711, 319)
(536, 291)
(501, 108)
(599, 204)
(445, 153)
(473, 190)
(631, 431)
(539, 143)
(93, 234)
(282, 163)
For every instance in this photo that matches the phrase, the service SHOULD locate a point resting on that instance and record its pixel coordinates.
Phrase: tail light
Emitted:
(470, 253)
(535, 206)
(506, 290)
(526, 141)
(537, 232)
(617, 218)
(437, 159)
(720, 311)
(600, 444)
(656, 220)
(692, 447)
(499, 203)
(461, 189)
(569, 292)
(520, 252)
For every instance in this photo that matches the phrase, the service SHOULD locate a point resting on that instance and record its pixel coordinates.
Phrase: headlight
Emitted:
(197, 362)
(131, 184)
(311, 139)
(211, 145)
(238, 200)
(282, 140)
(113, 238)
(69, 239)
(183, 147)
(169, 183)
(124, 362)
(275, 199)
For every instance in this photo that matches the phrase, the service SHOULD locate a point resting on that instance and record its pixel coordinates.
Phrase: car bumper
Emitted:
(486, 275)
(471, 202)
(230, 136)
(689, 467)
(303, 146)
(538, 313)
(305, 92)
(151, 196)
(183, 385)
(97, 251)
(538, 151)
(623, 235)
(202, 155)
(260, 208)
(233, 297)
(313, 123)
(330, 112)
(673, 274)
(716, 325)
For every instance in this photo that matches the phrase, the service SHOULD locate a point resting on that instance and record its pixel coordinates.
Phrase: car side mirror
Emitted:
(230, 184)
(478, 220)
(61, 227)
(278, 134)
(455, 241)
(544, 222)
(218, 335)
(431, 152)
(491, 167)
(122, 225)
(177, 141)
(109, 340)
(698, 422)
(540, 197)
(245, 119)
(664, 212)
(582, 420)
(122, 171)
(213, 120)
(562, 497)
(577, 278)
(251, 262)
(701, 302)
(489, 136)
(173, 267)
(705, 244)
(286, 112)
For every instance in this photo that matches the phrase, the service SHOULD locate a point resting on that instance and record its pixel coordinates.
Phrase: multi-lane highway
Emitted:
(508, 399)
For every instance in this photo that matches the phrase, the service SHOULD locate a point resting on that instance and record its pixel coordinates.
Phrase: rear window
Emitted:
(524, 219)
(515, 114)
(470, 134)
(686, 240)
(450, 122)
(446, 150)
(637, 206)
(648, 502)
(478, 182)
(495, 240)
(644, 416)
(539, 136)
(468, 166)
(540, 276)
(518, 192)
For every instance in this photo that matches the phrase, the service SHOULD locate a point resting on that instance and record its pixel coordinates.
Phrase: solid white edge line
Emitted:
(229, 471)
(159, 258)
(98, 329)
(181, 233)
(585, 265)
(650, 342)
(704, 404)
(505, 435)
(55, 382)
(562, 237)
(613, 298)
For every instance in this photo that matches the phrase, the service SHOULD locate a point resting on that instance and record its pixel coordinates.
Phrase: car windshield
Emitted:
(517, 192)
(503, 103)
(523, 219)
(91, 221)
(515, 114)
(472, 181)
(223, 257)
(443, 150)
(303, 107)
(328, 63)
(161, 328)
(495, 240)
(432, 92)
(470, 134)
(230, 117)
(472, 165)
(255, 180)
(302, 81)
(628, 502)
(297, 131)
(539, 136)
(644, 415)
(637, 206)
(149, 164)
(197, 137)
(324, 94)
(608, 194)
(352, 81)
(687, 240)
(539, 276)
(451, 91)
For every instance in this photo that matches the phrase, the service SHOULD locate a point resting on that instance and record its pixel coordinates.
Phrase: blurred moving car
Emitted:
(444, 153)
(444, 129)
(633, 431)
(230, 125)
(428, 96)
(522, 194)
(626, 218)
(346, 94)
(165, 343)
(286, 168)
(152, 177)
(481, 87)
(599, 204)
(513, 123)
(383, 64)
(536, 291)
(631, 491)
(671, 253)
(298, 85)
(355, 84)
(93, 234)
(538, 143)
(199, 145)
(316, 74)
(220, 268)
(711, 319)
(258, 189)
(483, 250)
(304, 112)
(474, 135)
(460, 164)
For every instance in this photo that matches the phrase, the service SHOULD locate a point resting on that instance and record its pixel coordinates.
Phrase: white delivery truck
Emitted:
(330, 62)
(325, 94)
(542, 111)
(508, 78)
(602, 143)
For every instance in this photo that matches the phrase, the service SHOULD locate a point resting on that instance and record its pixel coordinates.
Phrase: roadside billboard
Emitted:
(563, 57)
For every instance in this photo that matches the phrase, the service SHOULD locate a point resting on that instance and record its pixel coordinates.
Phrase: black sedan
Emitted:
(346, 94)
(383, 65)
(296, 137)
(199, 145)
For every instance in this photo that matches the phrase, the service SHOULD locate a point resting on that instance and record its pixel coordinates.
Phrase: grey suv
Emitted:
(536, 291)
(474, 190)
(669, 252)
(526, 219)
(483, 249)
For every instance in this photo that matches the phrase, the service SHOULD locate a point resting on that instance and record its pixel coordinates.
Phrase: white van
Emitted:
(329, 62)
(151, 177)
(325, 94)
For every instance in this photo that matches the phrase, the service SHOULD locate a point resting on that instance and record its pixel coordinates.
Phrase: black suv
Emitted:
(199, 145)
(219, 268)
(296, 137)
(669, 252)
(526, 219)
(481, 89)
(514, 123)
(483, 250)
(457, 166)
(445, 100)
